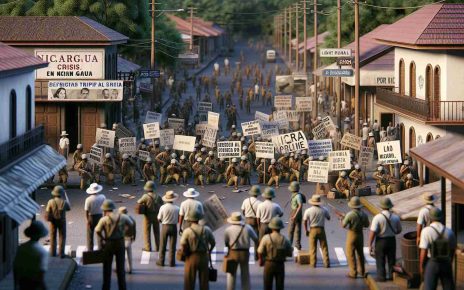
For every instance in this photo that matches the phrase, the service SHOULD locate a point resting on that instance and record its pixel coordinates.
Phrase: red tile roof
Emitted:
(432, 25)
(200, 27)
(311, 42)
(12, 59)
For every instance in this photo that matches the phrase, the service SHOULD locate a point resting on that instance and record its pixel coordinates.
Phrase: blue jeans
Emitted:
(435, 270)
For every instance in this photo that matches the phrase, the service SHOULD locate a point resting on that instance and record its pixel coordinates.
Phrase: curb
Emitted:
(67, 277)
(370, 206)
(371, 283)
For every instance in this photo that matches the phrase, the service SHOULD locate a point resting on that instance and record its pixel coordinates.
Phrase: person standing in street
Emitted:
(423, 218)
(365, 134)
(296, 214)
(250, 207)
(85, 171)
(385, 226)
(376, 129)
(273, 249)
(354, 221)
(56, 212)
(93, 211)
(437, 249)
(237, 239)
(189, 205)
(64, 145)
(111, 230)
(316, 216)
(197, 241)
(168, 216)
(129, 238)
(152, 203)
(266, 211)
(31, 260)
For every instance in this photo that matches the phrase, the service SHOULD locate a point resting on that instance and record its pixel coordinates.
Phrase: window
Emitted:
(429, 137)
(28, 108)
(412, 79)
(401, 78)
(436, 92)
(13, 114)
(412, 137)
(429, 86)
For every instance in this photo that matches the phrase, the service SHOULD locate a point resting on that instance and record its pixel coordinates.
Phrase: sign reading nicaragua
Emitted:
(290, 142)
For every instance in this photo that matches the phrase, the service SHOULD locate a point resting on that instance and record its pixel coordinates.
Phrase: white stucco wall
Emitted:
(455, 76)
(19, 84)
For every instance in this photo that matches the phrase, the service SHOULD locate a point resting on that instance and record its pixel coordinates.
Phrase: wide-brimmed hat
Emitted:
(315, 200)
(269, 192)
(122, 209)
(294, 186)
(255, 190)
(355, 202)
(386, 203)
(149, 186)
(107, 205)
(36, 230)
(58, 190)
(191, 192)
(276, 223)
(194, 216)
(63, 133)
(94, 188)
(429, 197)
(169, 196)
(235, 218)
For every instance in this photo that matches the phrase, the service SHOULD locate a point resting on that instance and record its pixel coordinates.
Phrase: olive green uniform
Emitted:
(152, 202)
(57, 207)
(355, 221)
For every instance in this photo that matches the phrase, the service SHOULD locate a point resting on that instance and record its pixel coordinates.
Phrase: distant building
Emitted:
(25, 161)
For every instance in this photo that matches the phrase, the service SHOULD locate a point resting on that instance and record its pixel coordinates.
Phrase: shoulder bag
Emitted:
(230, 265)
(99, 256)
(389, 224)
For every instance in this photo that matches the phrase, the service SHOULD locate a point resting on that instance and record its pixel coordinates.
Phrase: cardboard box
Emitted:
(302, 258)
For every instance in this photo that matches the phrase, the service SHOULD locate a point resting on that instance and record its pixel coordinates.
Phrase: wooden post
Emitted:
(443, 199)
(356, 68)
(305, 38)
(265, 169)
(339, 45)
(315, 61)
(297, 52)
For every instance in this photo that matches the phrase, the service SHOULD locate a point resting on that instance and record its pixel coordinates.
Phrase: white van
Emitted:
(271, 55)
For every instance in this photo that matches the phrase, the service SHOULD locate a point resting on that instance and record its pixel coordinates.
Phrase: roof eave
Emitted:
(22, 70)
(421, 47)
(64, 43)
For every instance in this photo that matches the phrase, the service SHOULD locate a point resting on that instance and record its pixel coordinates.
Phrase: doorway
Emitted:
(71, 125)
(385, 119)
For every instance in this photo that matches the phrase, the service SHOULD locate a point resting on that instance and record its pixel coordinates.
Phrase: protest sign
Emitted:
(303, 104)
(127, 145)
(351, 141)
(215, 213)
(261, 116)
(251, 128)
(269, 133)
(204, 107)
(264, 150)
(283, 102)
(280, 117)
(213, 120)
(166, 137)
(318, 171)
(176, 124)
(95, 155)
(229, 149)
(317, 148)
(209, 138)
(290, 142)
(144, 155)
(365, 155)
(200, 129)
(389, 152)
(184, 143)
(328, 123)
(320, 131)
(151, 130)
(339, 160)
(105, 137)
(153, 117)
(292, 116)
(122, 132)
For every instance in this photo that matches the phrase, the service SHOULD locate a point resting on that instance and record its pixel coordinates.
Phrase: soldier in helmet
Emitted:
(274, 172)
(409, 181)
(148, 170)
(284, 164)
(211, 162)
(127, 170)
(77, 156)
(296, 202)
(108, 169)
(357, 178)
(191, 157)
(173, 172)
(261, 170)
(245, 171)
(383, 181)
(163, 160)
(246, 153)
(63, 176)
(152, 203)
(266, 211)
(56, 210)
(250, 207)
(232, 173)
(343, 185)
(220, 168)
(295, 168)
(85, 171)
(184, 169)
(200, 171)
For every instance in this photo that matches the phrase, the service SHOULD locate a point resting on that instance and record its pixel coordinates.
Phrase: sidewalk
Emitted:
(59, 274)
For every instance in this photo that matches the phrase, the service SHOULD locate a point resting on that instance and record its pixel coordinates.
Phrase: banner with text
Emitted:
(264, 150)
(262, 116)
(184, 143)
(283, 102)
(92, 91)
(320, 132)
(389, 152)
(251, 128)
(229, 149)
(96, 155)
(176, 124)
(318, 171)
(365, 155)
(204, 107)
(105, 137)
(151, 130)
(290, 142)
(166, 137)
(215, 213)
(144, 155)
(213, 120)
(340, 160)
(200, 129)
(153, 117)
(317, 148)
(303, 104)
(127, 145)
(351, 141)
(209, 138)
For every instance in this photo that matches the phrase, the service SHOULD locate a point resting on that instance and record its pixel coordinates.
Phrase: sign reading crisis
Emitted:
(351, 141)
(303, 104)
(339, 160)
(93, 91)
(251, 128)
(213, 120)
(290, 142)
(283, 102)
(317, 148)
(229, 149)
(95, 155)
(71, 64)
(389, 152)
(153, 117)
(209, 138)
(127, 145)
(318, 171)
(264, 150)
(215, 213)
(184, 143)
(105, 137)
(166, 137)
(151, 130)
(143, 155)
(365, 155)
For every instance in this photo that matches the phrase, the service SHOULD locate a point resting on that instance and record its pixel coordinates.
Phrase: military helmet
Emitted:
(409, 176)
(269, 192)
(84, 156)
(435, 214)
(276, 223)
(234, 160)
(173, 155)
(210, 153)
(273, 161)
(222, 159)
(58, 190)
(108, 205)
(243, 158)
(357, 166)
(108, 155)
(149, 160)
(294, 186)
(380, 168)
(173, 161)
(199, 159)
(343, 173)
(79, 146)
(203, 149)
(255, 190)
(157, 142)
(125, 156)
(194, 216)
(239, 134)
(182, 157)
(149, 186)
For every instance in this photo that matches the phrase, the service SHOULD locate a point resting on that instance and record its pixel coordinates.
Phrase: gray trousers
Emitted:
(168, 232)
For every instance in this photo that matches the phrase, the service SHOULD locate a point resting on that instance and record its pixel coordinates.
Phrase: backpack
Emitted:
(440, 248)
(303, 198)
(57, 213)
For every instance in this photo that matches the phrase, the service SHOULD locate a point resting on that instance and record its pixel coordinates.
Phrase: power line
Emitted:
(395, 8)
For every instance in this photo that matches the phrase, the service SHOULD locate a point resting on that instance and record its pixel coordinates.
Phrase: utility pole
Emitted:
(297, 52)
(305, 38)
(315, 113)
(356, 68)
(339, 85)
(290, 36)
(152, 59)
(285, 32)
(191, 29)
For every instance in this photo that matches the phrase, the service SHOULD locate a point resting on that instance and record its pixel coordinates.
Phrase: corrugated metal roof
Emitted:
(125, 65)
(23, 177)
(12, 59)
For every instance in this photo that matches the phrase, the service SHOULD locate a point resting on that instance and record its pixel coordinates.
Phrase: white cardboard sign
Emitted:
(340, 160)
(200, 129)
(184, 143)
(303, 104)
(280, 117)
(251, 128)
(229, 149)
(283, 102)
(153, 117)
(317, 148)
(261, 116)
(166, 137)
(389, 152)
(320, 131)
(143, 155)
(269, 133)
(351, 141)
(105, 137)
(176, 124)
(127, 145)
(264, 150)
(95, 155)
(318, 171)
(328, 123)
(151, 130)
(213, 120)
(290, 142)
(209, 138)
(365, 155)
(292, 116)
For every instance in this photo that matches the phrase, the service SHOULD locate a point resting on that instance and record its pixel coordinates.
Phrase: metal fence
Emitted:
(20, 145)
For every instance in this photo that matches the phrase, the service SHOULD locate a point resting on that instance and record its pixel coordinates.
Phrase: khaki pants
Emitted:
(196, 263)
(150, 221)
(129, 178)
(199, 180)
(274, 270)
(295, 176)
(175, 176)
(85, 180)
(274, 179)
(128, 248)
(168, 231)
(294, 229)
(318, 234)
(63, 180)
(162, 174)
(60, 227)
(253, 222)
(242, 257)
(109, 178)
(233, 180)
(354, 252)
(263, 230)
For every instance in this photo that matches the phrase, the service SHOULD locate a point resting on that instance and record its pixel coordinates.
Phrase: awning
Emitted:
(19, 180)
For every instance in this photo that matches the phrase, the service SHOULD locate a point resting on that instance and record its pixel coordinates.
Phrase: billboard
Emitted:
(99, 91)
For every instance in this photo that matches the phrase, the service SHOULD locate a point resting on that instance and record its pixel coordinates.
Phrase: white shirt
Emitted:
(190, 204)
(429, 235)
(226, 62)
(168, 214)
(93, 204)
(64, 143)
(365, 133)
(216, 66)
(256, 89)
(376, 127)
(382, 229)
(424, 216)
(267, 210)
(250, 206)
(316, 216)
(243, 242)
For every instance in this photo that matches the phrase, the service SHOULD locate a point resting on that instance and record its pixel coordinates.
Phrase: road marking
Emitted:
(369, 259)
(67, 250)
(145, 258)
(79, 253)
(341, 256)
(295, 252)
(251, 260)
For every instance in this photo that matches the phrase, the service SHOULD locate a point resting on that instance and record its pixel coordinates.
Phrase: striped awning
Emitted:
(19, 180)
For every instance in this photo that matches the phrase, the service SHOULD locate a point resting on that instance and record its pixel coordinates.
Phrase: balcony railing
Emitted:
(20, 145)
(415, 107)
(448, 112)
